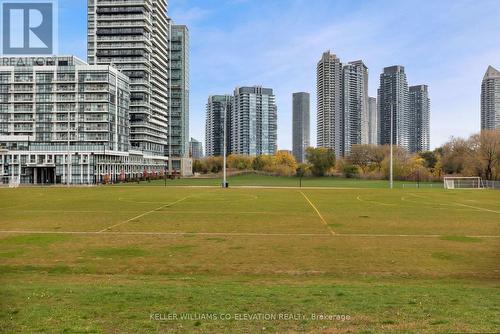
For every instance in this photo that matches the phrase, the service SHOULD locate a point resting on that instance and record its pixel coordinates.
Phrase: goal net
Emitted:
(456, 182)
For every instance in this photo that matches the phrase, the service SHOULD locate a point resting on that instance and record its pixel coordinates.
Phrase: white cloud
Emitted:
(441, 45)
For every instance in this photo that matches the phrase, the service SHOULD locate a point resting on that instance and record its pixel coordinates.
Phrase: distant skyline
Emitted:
(447, 45)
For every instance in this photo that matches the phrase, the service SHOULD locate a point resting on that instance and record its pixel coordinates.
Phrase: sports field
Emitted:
(141, 259)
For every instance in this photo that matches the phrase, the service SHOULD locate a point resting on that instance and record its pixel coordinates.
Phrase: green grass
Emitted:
(460, 238)
(117, 253)
(36, 240)
(283, 181)
(372, 307)
(407, 260)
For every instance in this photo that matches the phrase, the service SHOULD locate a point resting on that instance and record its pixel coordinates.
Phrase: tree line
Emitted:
(478, 155)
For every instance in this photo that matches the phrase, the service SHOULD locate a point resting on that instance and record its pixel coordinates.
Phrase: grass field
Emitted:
(131, 259)
(283, 181)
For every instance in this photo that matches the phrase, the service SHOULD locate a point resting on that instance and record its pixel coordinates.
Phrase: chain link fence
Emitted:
(492, 184)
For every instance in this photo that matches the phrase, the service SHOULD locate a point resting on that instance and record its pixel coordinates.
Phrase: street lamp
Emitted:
(78, 162)
(68, 161)
(224, 153)
(391, 176)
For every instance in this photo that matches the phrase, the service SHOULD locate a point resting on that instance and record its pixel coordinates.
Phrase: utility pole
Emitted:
(68, 157)
(392, 153)
(224, 172)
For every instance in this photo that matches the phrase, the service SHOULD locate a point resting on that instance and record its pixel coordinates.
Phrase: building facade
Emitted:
(372, 121)
(218, 107)
(355, 105)
(254, 121)
(393, 103)
(133, 36)
(490, 100)
(178, 121)
(329, 80)
(64, 121)
(301, 125)
(195, 149)
(419, 118)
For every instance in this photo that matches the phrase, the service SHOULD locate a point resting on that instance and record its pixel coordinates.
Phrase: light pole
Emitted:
(391, 177)
(68, 163)
(224, 172)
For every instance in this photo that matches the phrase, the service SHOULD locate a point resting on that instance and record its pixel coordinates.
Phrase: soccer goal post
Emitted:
(459, 182)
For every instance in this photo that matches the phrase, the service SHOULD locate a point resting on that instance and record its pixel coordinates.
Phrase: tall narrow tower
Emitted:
(355, 105)
(133, 36)
(301, 125)
(393, 103)
(218, 108)
(419, 118)
(329, 103)
(373, 121)
(178, 138)
(490, 100)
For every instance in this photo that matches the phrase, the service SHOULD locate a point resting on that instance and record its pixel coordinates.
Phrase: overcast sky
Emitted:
(276, 43)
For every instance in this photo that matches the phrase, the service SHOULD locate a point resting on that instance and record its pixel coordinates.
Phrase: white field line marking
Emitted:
(172, 233)
(144, 214)
(354, 235)
(173, 211)
(374, 202)
(319, 214)
(78, 211)
(246, 187)
(459, 204)
(231, 212)
(404, 199)
(410, 235)
(246, 197)
(292, 187)
(477, 208)
(427, 198)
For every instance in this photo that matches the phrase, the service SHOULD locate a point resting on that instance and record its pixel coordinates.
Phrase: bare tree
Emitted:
(487, 148)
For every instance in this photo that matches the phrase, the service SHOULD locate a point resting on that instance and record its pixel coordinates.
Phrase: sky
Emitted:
(446, 44)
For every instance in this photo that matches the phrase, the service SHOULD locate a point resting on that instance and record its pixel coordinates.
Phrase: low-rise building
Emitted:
(64, 121)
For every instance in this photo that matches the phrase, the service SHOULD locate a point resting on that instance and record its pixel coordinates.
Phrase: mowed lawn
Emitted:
(252, 179)
(131, 259)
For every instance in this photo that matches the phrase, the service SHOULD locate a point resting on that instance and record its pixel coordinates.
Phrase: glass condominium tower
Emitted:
(178, 138)
(420, 109)
(218, 108)
(342, 93)
(355, 104)
(133, 37)
(329, 103)
(393, 98)
(254, 121)
(490, 100)
(301, 125)
(372, 121)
